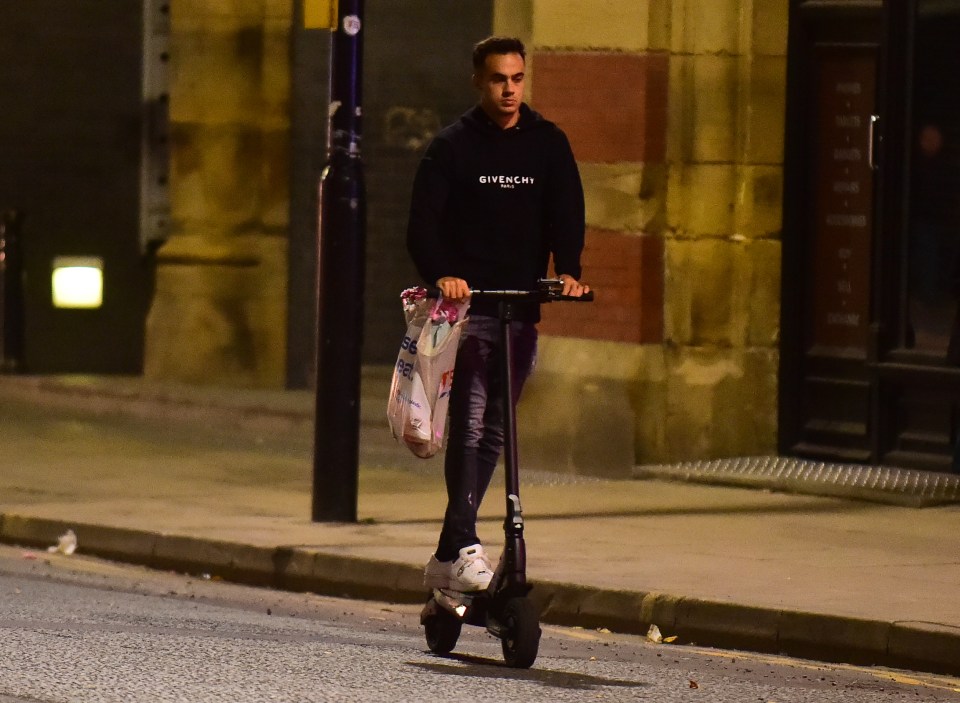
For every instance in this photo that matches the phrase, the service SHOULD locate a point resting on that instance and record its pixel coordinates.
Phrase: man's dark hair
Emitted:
(496, 45)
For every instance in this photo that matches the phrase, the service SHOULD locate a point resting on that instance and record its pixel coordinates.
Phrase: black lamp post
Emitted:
(340, 277)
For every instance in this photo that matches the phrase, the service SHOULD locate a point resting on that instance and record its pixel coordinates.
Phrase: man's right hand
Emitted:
(453, 288)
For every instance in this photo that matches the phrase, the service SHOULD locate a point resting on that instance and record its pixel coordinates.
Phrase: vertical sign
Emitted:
(155, 130)
(843, 208)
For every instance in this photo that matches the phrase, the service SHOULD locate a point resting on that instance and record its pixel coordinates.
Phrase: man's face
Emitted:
(501, 87)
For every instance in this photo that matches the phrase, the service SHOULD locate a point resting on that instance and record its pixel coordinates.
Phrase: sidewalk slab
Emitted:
(819, 577)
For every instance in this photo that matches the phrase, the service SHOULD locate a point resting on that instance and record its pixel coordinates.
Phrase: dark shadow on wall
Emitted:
(416, 79)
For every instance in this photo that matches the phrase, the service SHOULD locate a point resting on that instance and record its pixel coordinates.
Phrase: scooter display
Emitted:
(504, 608)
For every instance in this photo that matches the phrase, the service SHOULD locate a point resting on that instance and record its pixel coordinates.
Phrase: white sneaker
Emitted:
(470, 572)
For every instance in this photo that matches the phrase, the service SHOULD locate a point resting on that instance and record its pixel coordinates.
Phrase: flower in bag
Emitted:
(411, 296)
(443, 316)
(445, 311)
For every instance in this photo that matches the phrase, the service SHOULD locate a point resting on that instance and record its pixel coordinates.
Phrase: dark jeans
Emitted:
(476, 423)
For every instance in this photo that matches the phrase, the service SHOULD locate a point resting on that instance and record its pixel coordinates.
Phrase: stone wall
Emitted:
(722, 239)
(674, 109)
(675, 113)
(221, 308)
(219, 311)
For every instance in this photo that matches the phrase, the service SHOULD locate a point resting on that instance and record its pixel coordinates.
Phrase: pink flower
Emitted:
(445, 311)
(412, 295)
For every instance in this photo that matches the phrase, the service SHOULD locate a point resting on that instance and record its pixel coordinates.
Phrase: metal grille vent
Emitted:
(874, 483)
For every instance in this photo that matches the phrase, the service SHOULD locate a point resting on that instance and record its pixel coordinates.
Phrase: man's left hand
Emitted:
(573, 287)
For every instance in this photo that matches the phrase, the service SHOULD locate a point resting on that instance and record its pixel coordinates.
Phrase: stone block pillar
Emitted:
(722, 235)
(219, 310)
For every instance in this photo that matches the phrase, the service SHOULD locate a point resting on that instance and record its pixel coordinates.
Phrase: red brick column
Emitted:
(612, 107)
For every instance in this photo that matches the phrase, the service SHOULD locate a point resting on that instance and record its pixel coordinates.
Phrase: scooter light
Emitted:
(461, 609)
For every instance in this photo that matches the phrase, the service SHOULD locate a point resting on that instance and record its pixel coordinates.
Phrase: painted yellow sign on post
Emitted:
(320, 14)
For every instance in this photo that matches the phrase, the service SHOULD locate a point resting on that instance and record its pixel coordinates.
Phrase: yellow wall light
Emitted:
(77, 282)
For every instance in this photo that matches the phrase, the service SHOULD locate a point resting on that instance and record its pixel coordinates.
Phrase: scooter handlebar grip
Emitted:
(585, 298)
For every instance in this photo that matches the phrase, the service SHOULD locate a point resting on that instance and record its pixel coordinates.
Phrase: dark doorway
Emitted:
(870, 366)
(917, 372)
(71, 161)
(829, 224)
(933, 208)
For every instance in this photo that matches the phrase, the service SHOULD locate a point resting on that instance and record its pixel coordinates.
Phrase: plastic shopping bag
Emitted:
(408, 410)
(423, 376)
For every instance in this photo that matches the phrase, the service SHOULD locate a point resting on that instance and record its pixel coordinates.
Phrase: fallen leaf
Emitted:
(603, 630)
(694, 684)
(653, 634)
(671, 638)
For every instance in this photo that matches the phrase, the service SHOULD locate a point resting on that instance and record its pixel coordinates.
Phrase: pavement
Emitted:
(824, 577)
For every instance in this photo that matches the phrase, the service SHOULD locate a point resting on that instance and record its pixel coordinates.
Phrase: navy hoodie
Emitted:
(490, 205)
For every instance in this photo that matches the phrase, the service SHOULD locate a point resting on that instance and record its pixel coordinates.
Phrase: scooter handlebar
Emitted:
(549, 292)
(543, 296)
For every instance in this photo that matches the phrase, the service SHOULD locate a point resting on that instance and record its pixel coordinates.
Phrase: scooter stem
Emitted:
(509, 410)
(514, 567)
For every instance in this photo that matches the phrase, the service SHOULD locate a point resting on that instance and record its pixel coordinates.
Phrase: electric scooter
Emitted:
(504, 608)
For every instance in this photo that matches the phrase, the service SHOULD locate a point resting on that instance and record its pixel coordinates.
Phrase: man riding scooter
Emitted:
(496, 194)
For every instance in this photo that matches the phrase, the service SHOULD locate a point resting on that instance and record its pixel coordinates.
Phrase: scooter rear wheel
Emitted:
(442, 630)
(520, 638)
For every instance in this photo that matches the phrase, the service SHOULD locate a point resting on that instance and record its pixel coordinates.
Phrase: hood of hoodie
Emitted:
(476, 118)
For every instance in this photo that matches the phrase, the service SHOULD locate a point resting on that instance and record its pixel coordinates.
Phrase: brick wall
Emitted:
(612, 107)
(627, 271)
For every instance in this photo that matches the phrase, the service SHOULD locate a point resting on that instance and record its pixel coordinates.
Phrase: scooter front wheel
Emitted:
(520, 636)
(442, 629)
